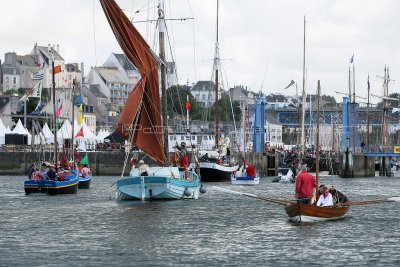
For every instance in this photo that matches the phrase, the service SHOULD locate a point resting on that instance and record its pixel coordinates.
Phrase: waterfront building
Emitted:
(204, 93)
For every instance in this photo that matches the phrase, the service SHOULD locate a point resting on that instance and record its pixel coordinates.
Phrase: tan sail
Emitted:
(140, 116)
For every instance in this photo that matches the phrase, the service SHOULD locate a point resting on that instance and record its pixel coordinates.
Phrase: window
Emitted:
(14, 80)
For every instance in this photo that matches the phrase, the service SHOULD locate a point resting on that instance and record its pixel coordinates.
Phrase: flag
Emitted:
(78, 100)
(38, 75)
(37, 90)
(80, 118)
(188, 105)
(290, 84)
(57, 69)
(58, 111)
(85, 160)
(26, 96)
(352, 59)
(80, 133)
(38, 108)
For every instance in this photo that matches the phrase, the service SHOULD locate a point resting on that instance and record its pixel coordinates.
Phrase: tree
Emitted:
(176, 98)
(390, 103)
(329, 101)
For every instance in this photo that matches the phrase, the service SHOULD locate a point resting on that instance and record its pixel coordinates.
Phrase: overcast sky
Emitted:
(257, 38)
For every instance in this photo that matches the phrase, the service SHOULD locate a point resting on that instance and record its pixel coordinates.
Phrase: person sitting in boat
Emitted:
(325, 199)
(250, 171)
(338, 197)
(143, 169)
(31, 170)
(305, 184)
(37, 175)
(51, 174)
(86, 171)
(205, 157)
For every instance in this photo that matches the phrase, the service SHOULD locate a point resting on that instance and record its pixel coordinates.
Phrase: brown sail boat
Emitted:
(301, 212)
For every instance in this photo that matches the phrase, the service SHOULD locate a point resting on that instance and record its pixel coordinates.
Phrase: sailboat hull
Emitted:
(213, 172)
(165, 183)
(156, 188)
(245, 180)
(300, 212)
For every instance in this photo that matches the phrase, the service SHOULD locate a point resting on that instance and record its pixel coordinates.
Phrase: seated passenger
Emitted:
(51, 174)
(250, 171)
(143, 169)
(86, 171)
(325, 199)
(37, 175)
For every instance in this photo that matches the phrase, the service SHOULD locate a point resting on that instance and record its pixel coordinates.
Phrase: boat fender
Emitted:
(202, 189)
(187, 192)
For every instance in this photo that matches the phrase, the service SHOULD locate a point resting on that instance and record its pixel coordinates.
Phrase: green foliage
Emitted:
(176, 99)
(11, 92)
(225, 111)
(329, 101)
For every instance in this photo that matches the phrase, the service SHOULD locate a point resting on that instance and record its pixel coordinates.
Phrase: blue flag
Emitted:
(38, 108)
(78, 100)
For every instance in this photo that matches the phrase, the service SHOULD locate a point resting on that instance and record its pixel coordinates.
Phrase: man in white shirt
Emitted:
(325, 199)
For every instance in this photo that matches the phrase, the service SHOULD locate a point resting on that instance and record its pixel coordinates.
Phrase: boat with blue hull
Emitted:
(51, 187)
(163, 184)
(142, 117)
(84, 182)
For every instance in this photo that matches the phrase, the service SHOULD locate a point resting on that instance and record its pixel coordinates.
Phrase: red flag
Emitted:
(80, 133)
(57, 69)
(58, 111)
(188, 105)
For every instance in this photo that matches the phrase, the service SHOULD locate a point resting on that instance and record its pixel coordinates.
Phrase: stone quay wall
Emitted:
(111, 162)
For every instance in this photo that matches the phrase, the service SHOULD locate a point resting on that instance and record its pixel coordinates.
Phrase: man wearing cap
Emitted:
(183, 157)
(31, 170)
(305, 184)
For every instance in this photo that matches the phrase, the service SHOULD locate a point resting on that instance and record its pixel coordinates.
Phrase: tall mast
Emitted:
(368, 141)
(317, 150)
(216, 66)
(304, 90)
(73, 120)
(161, 28)
(385, 105)
(54, 113)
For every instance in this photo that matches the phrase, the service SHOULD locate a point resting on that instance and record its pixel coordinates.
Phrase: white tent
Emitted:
(87, 133)
(102, 134)
(47, 132)
(20, 129)
(65, 132)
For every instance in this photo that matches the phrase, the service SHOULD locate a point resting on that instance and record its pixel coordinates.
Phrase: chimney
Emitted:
(58, 49)
(48, 48)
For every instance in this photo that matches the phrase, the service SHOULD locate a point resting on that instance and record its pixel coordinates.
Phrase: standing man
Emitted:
(305, 184)
(183, 157)
(31, 170)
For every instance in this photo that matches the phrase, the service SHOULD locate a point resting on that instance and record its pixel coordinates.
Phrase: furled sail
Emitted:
(141, 113)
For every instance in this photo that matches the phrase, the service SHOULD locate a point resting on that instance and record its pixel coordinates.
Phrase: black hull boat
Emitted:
(214, 172)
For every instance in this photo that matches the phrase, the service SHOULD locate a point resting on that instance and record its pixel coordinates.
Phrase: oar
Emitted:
(272, 200)
(368, 202)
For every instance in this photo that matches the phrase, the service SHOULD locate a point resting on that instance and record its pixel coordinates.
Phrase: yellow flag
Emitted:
(80, 118)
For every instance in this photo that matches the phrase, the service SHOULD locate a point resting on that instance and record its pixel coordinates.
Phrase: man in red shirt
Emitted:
(250, 171)
(305, 184)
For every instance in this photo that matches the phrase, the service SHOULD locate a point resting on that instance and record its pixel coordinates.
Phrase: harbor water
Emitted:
(90, 228)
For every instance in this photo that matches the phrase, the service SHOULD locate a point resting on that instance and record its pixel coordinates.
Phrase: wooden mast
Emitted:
(54, 114)
(304, 91)
(161, 28)
(216, 66)
(317, 146)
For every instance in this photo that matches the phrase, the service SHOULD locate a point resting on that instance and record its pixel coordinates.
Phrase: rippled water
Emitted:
(218, 229)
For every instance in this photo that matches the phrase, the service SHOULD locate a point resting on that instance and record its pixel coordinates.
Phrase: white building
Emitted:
(204, 93)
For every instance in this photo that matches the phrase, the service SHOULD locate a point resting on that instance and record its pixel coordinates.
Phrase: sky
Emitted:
(260, 41)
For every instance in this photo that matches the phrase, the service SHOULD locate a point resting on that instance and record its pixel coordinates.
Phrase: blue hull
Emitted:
(156, 188)
(84, 182)
(69, 186)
